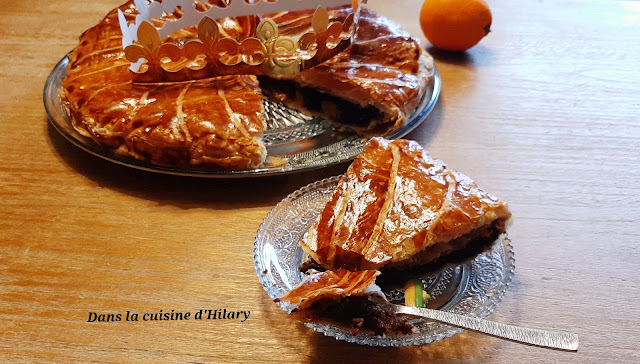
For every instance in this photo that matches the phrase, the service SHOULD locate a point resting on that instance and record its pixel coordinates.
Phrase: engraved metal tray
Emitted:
(473, 289)
(302, 141)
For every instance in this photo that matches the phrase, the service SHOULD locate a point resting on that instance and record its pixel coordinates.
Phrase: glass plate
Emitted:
(304, 142)
(472, 289)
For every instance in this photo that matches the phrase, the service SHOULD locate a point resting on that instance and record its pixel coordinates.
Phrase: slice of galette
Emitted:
(398, 208)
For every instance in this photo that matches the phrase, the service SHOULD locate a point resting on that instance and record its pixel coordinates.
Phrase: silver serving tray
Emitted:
(302, 141)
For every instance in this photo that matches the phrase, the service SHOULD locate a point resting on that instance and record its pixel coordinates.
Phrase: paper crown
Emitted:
(155, 58)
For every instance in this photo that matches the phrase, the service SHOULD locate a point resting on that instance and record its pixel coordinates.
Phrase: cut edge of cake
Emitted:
(350, 300)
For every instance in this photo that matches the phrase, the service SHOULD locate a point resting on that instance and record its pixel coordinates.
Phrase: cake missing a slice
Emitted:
(217, 123)
(398, 208)
(346, 299)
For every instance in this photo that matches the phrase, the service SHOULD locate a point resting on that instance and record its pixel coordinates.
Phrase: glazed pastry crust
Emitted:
(335, 284)
(213, 123)
(217, 123)
(348, 299)
(395, 203)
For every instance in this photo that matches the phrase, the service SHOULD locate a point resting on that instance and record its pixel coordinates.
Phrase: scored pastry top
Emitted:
(189, 120)
(394, 202)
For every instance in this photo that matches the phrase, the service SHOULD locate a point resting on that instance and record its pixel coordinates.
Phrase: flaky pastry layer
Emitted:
(394, 203)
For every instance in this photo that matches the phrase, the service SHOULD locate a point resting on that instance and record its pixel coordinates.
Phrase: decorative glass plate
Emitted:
(472, 289)
(302, 141)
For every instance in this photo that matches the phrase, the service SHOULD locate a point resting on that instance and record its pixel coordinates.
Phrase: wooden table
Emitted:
(543, 113)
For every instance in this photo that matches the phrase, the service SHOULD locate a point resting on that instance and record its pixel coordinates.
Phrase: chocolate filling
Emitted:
(359, 313)
(457, 251)
(434, 258)
(319, 103)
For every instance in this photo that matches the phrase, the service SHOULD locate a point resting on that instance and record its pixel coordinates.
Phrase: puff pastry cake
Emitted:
(398, 208)
(218, 123)
(347, 299)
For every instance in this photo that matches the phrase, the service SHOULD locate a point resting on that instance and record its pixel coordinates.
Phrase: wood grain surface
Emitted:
(544, 113)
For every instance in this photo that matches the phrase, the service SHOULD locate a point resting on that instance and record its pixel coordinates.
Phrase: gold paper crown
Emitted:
(212, 54)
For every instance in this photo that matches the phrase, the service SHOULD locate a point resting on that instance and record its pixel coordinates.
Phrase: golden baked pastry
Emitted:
(370, 87)
(345, 298)
(217, 122)
(213, 123)
(397, 207)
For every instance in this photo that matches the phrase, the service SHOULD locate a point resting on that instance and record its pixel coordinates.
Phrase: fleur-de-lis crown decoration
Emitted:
(156, 59)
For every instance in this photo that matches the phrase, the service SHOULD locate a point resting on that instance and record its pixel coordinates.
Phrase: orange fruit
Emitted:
(455, 25)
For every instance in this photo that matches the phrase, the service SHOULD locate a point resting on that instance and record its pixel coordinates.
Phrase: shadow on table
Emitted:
(477, 56)
(465, 347)
(429, 128)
